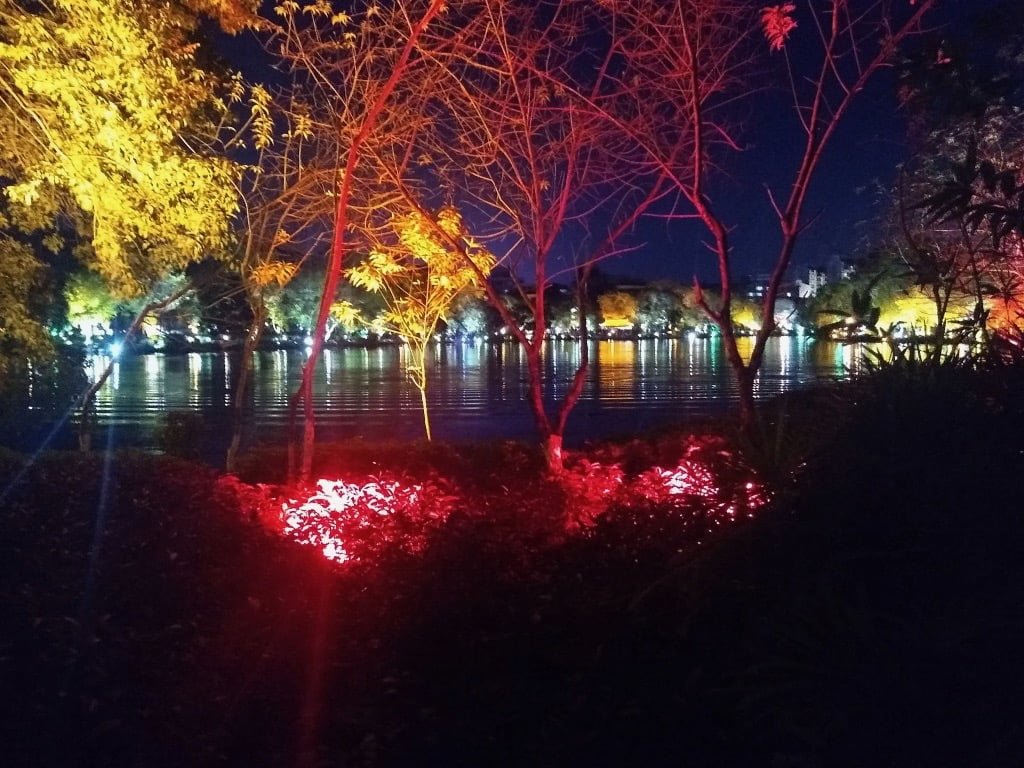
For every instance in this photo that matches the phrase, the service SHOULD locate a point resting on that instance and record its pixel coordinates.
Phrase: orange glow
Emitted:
(1007, 314)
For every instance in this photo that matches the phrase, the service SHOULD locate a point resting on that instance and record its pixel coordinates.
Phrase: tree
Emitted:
(110, 124)
(22, 335)
(91, 306)
(291, 307)
(551, 184)
(660, 308)
(618, 309)
(419, 278)
(679, 46)
(473, 317)
(100, 101)
(350, 63)
(862, 314)
(39, 377)
(961, 190)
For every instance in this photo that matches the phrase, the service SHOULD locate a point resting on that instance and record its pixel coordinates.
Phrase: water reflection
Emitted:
(475, 390)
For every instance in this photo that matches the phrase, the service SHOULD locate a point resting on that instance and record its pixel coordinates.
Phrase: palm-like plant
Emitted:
(862, 315)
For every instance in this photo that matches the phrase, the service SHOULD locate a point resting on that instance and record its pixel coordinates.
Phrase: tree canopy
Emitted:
(107, 115)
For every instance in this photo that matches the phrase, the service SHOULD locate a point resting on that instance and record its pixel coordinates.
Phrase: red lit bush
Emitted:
(354, 521)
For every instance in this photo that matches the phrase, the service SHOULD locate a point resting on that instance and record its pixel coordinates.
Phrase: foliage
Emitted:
(102, 102)
(777, 22)
(976, 196)
(232, 15)
(618, 309)
(291, 308)
(745, 314)
(419, 275)
(22, 335)
(960, 191)
(90, 303)
(659, 308)
(890, 280)
(472, 316)
(362, 521)
(862, 314)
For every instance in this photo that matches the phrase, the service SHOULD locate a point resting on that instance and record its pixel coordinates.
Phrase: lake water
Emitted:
(476, 390)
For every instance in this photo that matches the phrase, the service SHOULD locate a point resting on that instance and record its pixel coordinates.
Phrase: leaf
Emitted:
(274, 273)
(777, 24)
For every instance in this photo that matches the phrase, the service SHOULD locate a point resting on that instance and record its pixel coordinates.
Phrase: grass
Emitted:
(873, 617)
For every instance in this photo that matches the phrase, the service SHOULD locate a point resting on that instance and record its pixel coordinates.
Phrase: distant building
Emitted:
(816, 280)
(754, 287)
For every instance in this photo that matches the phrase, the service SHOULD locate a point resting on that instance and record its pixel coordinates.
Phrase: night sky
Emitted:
(861, 160)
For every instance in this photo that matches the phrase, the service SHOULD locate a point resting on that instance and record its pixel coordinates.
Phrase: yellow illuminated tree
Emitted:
(618, 310)
(22, 335)
(91, 307)
(350, 60)
(419, 276)
(100, 102)
(109, 124)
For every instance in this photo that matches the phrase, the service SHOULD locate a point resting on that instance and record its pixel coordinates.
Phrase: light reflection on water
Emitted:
(476, 390)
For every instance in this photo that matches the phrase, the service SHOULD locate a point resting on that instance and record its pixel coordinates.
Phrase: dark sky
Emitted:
(863, 155)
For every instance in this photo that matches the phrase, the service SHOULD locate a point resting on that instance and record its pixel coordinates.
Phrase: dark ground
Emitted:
(873, 616)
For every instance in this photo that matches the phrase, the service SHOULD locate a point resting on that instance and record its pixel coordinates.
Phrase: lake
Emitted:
(477, 391)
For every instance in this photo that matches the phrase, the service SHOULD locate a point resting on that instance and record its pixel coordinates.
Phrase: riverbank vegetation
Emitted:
(865, 608)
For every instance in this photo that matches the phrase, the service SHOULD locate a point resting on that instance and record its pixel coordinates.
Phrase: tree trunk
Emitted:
(85, 427)
(550, 436)
(252, 340)
(308, 430)
(747, 406)
(426, 415)
(417, 372)
(553, 446)
(553, 454)
(85, 401)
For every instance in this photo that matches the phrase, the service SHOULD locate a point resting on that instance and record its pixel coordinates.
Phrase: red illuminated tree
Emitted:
(528, 137)
(852, 42)
(349, 63)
